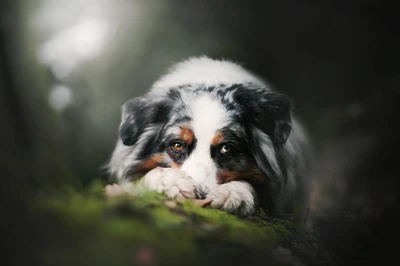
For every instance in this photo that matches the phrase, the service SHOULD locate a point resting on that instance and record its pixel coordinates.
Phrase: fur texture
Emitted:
(211, 129)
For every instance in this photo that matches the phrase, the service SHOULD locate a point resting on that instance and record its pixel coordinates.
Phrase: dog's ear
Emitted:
(267, 110)
(138, 114)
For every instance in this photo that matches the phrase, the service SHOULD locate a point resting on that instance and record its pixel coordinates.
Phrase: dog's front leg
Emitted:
(237, 197)
(170, 181)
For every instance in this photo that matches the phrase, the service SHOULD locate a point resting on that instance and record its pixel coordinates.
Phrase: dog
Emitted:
(211, 129)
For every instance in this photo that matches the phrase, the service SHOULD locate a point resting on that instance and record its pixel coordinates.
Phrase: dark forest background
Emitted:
(66, 67)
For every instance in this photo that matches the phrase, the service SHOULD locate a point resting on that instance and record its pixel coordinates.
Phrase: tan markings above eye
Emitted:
(225, 149)
(187, 135)
(177, 146)
(218, 139)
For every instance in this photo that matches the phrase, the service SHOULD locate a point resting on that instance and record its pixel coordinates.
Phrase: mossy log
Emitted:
(150, 229)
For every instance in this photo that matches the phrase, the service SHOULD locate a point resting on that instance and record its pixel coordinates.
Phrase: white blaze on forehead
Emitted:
(208, 116)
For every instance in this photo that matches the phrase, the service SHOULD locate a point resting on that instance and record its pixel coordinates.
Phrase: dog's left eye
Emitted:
(225, 149)
(177, 146)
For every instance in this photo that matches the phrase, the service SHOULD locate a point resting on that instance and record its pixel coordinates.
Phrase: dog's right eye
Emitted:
(177, 146)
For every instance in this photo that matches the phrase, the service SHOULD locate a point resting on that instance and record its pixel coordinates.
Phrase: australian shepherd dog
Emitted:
(210, 129)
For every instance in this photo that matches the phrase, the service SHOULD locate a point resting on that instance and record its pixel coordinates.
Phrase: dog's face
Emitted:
(213, 134)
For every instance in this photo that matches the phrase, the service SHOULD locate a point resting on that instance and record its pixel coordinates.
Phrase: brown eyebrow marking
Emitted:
(187, 135)
(218, 139)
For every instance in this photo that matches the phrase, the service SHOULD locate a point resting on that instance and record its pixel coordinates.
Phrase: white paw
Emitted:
(235, 197)
(171, 181)
(114, 190)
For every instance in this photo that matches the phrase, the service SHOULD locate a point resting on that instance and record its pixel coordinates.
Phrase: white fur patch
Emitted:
(209, 116)
(234, 197)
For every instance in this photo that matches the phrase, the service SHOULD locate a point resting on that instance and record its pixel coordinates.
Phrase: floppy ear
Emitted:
(269, 111)
(138, 114)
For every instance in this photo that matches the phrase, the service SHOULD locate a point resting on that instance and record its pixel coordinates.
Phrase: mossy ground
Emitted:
(90, 229)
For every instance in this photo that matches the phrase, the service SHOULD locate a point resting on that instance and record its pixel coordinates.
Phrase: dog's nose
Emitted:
(202, 194)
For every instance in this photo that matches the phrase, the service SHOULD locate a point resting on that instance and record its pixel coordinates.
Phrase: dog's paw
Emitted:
(114, 190)
(235, 197)
(172, 182)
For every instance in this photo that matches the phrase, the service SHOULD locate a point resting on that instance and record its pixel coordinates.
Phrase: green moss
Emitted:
(122, 229)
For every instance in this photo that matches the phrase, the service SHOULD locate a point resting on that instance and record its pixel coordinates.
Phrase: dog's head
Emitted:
(215, 134)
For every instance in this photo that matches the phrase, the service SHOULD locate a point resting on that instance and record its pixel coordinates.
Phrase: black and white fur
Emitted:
(239, 143)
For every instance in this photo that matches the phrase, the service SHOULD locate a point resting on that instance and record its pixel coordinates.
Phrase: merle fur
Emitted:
(250, 107)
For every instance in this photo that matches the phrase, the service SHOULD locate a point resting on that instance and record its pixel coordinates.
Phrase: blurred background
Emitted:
(66, 67)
